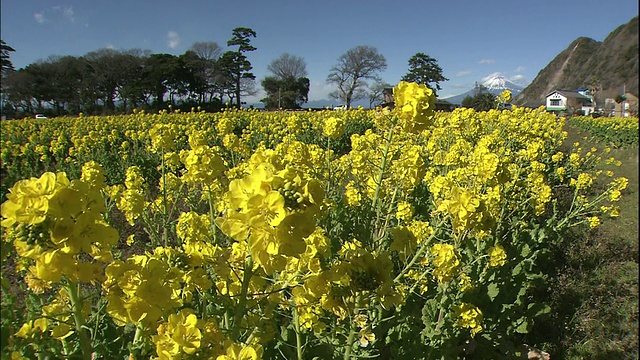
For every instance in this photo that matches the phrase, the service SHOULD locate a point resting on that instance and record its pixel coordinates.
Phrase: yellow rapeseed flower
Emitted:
(415, 105)
(333, 127)
(445, 261)
(470, 317)
(497, 256)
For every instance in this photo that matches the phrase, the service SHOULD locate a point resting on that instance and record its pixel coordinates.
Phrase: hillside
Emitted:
(607, 65)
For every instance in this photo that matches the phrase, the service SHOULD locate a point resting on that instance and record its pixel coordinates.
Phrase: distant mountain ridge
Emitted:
(609, 66)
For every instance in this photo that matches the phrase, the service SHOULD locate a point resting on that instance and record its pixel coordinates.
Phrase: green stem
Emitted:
(212, 216)
(226, 320)
(328, 183)
(418, 254)
(151, 231)
(65, 348)
(136, 338)
(350, 339)
(85, 345)
(376, 197)
(237, 317)
(296, 324)
(570, 213)
(383, 165)
(382, 232)
(164, 201)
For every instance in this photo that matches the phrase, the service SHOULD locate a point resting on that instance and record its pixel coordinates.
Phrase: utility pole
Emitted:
(279, 106)
(624, 97)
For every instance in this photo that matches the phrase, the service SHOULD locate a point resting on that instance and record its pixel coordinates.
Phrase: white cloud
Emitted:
(110, 46)
(518, 80)
(486, 61)
(520, 68)
(39, 17)
(68, 13)
(463, 73)
(173, 39)
(319, 90)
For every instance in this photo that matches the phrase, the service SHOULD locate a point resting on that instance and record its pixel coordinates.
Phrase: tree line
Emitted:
(109, 81)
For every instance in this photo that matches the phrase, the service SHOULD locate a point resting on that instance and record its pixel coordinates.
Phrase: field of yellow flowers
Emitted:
(398, 234)
(616, 131)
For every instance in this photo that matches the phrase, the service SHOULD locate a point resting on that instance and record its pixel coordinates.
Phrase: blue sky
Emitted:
(470, 39)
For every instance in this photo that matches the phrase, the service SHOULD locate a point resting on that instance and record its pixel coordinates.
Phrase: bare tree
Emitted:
(209, 50)
(288, 66)
(247, 88)
(353, 68)
(376, 92)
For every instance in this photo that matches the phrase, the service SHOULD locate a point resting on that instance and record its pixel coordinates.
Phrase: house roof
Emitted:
(569, 94)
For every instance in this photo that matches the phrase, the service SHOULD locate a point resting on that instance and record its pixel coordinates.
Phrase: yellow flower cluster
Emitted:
(445, 262)
(242, 352)
(272, 209)
(130, 200)
(415, 106)
(162, 138)
(140, 290)
(470, 317)
(184, 334)
(203, 164)
(55, 222)
(504, 97)
(333, 127)
(497, 256)
(254, 209)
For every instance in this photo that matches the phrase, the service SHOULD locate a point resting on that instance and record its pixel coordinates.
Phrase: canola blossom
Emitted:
(250, 235)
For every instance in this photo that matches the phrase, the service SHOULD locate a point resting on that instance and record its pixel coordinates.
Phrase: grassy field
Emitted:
(594, 295)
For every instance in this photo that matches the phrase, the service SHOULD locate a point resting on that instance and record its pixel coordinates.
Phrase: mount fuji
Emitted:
(494, 83)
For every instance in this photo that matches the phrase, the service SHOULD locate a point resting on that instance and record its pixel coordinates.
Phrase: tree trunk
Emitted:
(238, 92)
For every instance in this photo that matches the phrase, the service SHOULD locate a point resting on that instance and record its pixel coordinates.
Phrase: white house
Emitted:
(570, 101)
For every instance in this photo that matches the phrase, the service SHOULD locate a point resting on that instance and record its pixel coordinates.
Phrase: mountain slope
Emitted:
(607, 65)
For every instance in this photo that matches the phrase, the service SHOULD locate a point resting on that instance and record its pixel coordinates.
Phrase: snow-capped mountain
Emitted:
(497, 82)
(494, 83)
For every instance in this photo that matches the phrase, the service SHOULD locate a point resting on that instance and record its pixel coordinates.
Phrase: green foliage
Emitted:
(619, 98)
(467, 102)
(234, 65)
(613, 131)
(423, 69)
(5, 62)
(287, 93)
(482, 100)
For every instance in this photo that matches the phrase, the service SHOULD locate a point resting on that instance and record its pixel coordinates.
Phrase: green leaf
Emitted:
(523, 327)
(493, 290)
(430, 318)
(519, 297)
(538, 309)
(517, 269)
(525, 251)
